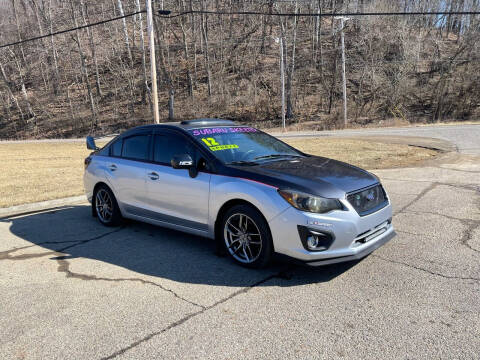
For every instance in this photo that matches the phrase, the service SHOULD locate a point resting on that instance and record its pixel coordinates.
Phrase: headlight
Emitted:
(306, 202)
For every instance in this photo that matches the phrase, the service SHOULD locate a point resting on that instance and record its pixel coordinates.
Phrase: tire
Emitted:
(246, 237)
(105, 206)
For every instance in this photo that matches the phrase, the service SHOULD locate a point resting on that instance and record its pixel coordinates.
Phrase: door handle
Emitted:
(113, 167)
(153, 176)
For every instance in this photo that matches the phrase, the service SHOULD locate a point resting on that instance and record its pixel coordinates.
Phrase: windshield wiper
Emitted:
(242, 162)
(274, 156)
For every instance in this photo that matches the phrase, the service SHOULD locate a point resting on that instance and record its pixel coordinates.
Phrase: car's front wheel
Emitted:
(106, 207)
(247, 237)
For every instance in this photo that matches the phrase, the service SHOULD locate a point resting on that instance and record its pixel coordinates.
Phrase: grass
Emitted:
(365, 154)
(32, 172)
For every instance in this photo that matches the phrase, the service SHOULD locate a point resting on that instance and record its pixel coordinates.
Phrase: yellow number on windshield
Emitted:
(210, 142)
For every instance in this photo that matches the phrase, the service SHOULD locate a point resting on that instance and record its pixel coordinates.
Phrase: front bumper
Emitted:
(354, 236)
(359, 255)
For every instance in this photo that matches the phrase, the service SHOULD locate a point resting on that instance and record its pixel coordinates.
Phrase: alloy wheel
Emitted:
(242, 238)
(104, 206)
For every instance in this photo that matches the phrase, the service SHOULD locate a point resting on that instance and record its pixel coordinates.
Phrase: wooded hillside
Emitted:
(97, 80)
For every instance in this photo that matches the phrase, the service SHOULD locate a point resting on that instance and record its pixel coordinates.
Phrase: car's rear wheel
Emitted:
(106, 207)
(247, 237)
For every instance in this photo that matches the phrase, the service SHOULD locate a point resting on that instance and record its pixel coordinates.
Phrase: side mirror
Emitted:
(183, 161)
(91, 143)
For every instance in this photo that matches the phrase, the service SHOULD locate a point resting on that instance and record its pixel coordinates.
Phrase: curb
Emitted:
(39, 206)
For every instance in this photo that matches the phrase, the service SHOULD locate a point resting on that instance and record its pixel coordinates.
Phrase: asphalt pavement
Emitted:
(71, 288)
(466, 138)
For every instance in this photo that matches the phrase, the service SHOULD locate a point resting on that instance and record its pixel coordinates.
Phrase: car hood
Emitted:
(315, 175)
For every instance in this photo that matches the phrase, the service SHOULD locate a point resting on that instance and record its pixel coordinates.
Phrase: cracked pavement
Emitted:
(70, 288)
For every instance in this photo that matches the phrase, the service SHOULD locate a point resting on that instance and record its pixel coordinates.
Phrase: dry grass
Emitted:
(32, 172)
(366, 154)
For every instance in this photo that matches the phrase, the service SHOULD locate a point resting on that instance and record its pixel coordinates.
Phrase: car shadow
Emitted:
(71, 233)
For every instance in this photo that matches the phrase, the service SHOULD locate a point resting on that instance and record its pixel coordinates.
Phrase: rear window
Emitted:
(117, 148)
(136, 147)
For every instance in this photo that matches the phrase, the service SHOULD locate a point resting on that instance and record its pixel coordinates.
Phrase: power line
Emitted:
(72, 29)
(332, 14)
(208, 12)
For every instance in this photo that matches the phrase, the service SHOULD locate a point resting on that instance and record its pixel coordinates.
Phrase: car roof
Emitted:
(185, 125)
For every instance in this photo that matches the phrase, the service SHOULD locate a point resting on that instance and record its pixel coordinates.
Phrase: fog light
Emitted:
(312, 242)
(315, 240)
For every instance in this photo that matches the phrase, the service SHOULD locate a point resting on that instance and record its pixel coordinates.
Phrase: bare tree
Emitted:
(145, 88)
(413, 68)
(84, 68)
(125, 31)
(84, 12)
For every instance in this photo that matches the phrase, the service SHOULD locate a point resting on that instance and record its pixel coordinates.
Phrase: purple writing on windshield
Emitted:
(223, 130)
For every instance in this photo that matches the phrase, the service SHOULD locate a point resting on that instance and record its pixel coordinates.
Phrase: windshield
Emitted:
(242, 145)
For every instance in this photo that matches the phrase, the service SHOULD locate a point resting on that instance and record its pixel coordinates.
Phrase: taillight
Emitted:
(87, 161)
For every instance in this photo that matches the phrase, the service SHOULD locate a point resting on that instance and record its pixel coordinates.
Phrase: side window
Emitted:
(168, 145)
(136, 147)
(117, 148)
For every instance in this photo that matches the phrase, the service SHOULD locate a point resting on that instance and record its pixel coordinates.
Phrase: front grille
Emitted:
(369, 200)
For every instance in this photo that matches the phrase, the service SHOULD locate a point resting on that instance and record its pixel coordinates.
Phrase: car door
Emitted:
(173, 195)
(126, 170)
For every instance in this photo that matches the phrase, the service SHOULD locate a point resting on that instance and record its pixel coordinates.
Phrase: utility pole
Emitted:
(282, 76)
(153, 65)
(344, 78)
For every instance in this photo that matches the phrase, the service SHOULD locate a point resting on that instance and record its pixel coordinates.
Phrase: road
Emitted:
(70, 288)
(466, 138)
